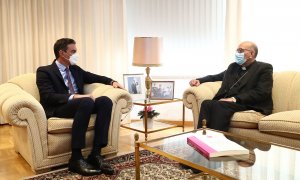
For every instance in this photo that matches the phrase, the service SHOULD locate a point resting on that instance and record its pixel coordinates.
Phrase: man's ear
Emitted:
(251, 54)
(60, 52)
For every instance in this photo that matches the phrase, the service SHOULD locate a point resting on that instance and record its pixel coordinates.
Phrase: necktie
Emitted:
(69, 81)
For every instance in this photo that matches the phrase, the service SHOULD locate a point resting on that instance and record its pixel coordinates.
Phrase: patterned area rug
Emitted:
(153, 166)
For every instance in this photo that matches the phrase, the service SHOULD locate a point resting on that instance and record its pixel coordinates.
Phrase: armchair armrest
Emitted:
(22, 110)
(118, 96)
(14, 101)
(194, 96)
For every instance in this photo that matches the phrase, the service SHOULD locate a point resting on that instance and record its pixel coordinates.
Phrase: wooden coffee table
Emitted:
(265, 161)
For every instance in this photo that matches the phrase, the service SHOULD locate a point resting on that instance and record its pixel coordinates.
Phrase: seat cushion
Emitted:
(61, 143)
(246, 119)
(286, 124)
(64, 125)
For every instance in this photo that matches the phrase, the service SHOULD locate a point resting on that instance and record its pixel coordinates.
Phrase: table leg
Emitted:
(183, 116)
(146, 122)
(137, 156)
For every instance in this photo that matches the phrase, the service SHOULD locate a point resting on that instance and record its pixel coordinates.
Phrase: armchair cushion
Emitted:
(246, 119)
(64, 125)
(286, 124)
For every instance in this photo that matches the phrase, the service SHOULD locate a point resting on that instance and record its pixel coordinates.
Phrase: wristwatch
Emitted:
(233, 99)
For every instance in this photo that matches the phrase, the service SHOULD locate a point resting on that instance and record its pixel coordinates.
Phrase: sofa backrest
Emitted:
(286, 91)
(28, 84)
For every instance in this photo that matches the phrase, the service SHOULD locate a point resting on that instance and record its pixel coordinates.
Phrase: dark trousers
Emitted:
(81, 110)
(218, 113)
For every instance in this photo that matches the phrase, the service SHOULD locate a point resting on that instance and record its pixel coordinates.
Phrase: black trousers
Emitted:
(81, 110)
(218, 113)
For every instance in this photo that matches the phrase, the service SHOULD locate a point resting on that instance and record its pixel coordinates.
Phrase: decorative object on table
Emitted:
(135, 84)
(163, 90)
(204, 127)
(153, 166)
(150, 116)
(147, 52)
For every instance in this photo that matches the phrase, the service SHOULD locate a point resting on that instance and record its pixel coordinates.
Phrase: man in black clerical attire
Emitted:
(246, 85)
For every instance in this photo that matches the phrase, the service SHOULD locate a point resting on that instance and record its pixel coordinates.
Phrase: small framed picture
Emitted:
(135, 84)
(162, 90)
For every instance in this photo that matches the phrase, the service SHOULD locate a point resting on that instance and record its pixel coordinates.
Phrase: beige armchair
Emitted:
(282, 126)
(45, 143)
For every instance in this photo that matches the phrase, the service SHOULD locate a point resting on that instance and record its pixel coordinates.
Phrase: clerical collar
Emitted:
(247, 67)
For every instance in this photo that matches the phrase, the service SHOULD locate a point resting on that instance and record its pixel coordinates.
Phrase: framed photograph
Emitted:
(162, 90)
(135, 84)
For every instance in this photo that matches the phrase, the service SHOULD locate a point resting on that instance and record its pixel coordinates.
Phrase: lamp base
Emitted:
(148, 82)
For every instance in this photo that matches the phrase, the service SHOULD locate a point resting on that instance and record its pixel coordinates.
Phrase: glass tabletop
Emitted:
(142, 102)
(157, 126)
(265, 161)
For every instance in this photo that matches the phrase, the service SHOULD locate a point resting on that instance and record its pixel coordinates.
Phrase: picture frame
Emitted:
(135, 85)
(162, 90)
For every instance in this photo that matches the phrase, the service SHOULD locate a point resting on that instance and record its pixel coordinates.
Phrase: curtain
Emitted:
(272, 25)
(29, 29)
(232, 29)
(192, 31)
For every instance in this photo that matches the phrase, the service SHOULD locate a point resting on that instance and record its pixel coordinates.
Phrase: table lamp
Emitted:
(147, 53)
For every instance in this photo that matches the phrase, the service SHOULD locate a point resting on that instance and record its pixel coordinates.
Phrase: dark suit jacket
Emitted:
(253, 87)
(54, 92)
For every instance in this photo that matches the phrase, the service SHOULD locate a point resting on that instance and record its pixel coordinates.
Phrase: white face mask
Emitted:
(73, 59)
(240, 58)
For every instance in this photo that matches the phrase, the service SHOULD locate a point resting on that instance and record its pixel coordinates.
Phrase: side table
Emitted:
(157, 126)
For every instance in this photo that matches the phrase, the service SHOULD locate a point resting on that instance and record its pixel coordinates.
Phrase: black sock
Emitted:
(76, 154)
(96, 151)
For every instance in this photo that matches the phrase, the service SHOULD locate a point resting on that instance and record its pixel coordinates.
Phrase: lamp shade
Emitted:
(147, 51)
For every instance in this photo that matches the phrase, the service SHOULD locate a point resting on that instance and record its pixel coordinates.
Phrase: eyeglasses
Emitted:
(241, 50)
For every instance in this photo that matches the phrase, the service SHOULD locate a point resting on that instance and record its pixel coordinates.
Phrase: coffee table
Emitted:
(265, 161)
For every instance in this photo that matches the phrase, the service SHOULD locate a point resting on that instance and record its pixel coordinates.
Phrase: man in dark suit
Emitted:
(61, 92)
(246, 85)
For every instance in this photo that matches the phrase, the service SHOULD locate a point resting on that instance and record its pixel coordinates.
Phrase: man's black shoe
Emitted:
(83, 168)
(99, 163)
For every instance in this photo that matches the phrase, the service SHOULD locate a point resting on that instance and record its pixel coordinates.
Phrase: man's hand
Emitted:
(194, 82)
(231, 99)
(115, 84)
(77, 96)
